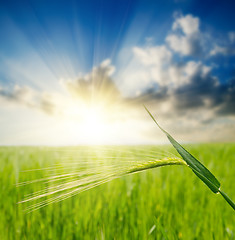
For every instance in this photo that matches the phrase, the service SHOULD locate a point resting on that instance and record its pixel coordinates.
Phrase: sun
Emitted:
(88, 122)
(94, 124)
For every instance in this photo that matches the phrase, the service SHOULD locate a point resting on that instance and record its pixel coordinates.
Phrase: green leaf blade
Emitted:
(226, 197)
(199, 169)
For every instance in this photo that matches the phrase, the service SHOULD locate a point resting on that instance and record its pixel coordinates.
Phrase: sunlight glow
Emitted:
(88, 122)
(94, 124)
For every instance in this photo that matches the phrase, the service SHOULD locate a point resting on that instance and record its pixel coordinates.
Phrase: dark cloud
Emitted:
(197, 93)
(206, 92)
(202, 92)
(227, 98)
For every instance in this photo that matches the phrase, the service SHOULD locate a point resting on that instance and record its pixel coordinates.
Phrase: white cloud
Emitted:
(224, 46)
(158, 55)
(192, 68)
(160, 65)
(188, 24)
(181, 75)
(154, 68)
(184, 45)
(17, 95)
(106, 66)
(146, 69)
(226, 51)
(186, 38)
(218, 50)
(48, 103)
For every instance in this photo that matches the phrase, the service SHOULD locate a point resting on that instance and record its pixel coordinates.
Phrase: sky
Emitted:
(79, 72)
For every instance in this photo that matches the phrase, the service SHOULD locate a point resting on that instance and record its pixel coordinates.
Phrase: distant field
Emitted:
(164, 203)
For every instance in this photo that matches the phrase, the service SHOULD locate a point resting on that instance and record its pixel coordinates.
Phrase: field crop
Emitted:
(163, 203)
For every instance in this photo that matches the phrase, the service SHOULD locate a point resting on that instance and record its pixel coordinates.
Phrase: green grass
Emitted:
(164, 203)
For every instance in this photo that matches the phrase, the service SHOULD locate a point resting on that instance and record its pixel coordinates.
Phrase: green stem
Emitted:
(225, 196)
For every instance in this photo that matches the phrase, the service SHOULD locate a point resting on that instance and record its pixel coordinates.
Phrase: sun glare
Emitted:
(88, 122)
(93, 123)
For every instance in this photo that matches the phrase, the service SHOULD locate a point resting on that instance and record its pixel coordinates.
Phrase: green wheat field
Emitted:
(168, 202)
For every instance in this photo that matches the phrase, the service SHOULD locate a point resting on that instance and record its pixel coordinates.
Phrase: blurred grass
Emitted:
(164, 203)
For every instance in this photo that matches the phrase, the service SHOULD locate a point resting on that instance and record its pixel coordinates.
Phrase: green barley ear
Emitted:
(199, 169)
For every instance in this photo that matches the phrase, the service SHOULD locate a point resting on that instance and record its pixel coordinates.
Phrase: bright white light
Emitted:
(87, 123)
(94, 125)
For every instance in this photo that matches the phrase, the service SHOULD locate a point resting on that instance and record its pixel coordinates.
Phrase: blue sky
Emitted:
(177, 57)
